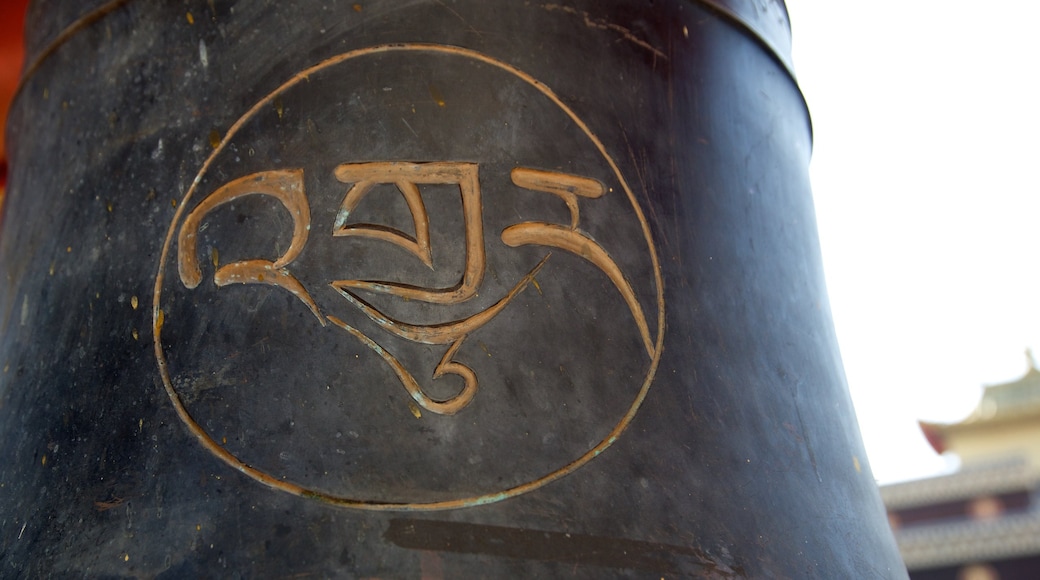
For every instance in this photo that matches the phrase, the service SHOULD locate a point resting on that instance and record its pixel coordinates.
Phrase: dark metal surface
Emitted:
(766, 20)
(420, 290)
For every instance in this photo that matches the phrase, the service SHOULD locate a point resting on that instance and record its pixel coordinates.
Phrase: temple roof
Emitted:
(970, 540)
(995, 478)
(938, 521)
(1000, 403)
(948, 541)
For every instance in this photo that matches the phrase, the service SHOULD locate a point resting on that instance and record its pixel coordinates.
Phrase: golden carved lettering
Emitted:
(453, 332)
(407, 177)
(572, 190)
(569, 187)
(287, 187)
(284, 185)
(449, 406)
(440, 333)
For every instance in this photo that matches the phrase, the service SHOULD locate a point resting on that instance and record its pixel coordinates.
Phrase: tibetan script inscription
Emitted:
(509, 287)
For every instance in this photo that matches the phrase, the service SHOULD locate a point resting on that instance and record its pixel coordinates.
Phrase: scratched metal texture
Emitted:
(743, 460)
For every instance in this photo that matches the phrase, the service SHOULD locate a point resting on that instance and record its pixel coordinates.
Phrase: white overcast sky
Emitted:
(925, 167)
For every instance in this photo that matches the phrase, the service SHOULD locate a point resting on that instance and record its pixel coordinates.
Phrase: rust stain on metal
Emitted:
(106, 505)
(436, 94)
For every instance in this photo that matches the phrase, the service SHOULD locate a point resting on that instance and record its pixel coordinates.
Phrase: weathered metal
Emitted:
(420, 289)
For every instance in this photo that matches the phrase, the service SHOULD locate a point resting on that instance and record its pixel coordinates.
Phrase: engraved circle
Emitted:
(653, 343)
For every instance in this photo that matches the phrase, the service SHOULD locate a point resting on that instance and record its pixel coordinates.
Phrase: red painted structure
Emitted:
(12, 19)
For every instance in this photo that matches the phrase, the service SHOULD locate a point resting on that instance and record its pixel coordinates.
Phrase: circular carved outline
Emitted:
(213, 447)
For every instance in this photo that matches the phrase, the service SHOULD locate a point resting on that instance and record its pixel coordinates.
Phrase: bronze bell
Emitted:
(425, 289)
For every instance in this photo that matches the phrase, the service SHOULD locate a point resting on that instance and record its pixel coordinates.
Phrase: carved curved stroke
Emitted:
(556, 236)
(563, 185)
(419, 245)
(439, 333)
(281, 483)
(446, 365)
(453, 332)
(284, 185)
(406, 175)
